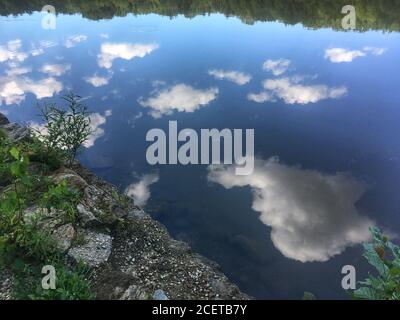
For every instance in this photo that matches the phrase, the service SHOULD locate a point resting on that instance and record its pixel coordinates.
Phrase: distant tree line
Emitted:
(371, 14)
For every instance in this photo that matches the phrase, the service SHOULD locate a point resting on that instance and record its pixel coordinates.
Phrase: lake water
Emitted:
(323, 102)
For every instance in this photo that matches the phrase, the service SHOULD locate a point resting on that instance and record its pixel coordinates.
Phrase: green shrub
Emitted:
(65, 130)
(51, 159)
(63, 198)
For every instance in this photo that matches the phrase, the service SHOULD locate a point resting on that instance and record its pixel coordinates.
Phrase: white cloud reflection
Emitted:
(73, 40)
(17, 71)
(292, 91)
(181, 97)
(96, 121)
(16, 83)
(55, 70)
(260, 97)
(375, 50)
(127, 51)
(237, 77)
(140, 191)
(313, 216)
(11, 52)
(14, 88)
(98, 81)
(37, 50)
(277, 67)
(340, 55)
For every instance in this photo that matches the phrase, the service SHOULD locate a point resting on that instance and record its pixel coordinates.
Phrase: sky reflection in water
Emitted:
(323, 103)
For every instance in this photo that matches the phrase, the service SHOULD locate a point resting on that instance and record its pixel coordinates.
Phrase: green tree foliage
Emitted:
(384, 256)
(371, 14)
(65, 129)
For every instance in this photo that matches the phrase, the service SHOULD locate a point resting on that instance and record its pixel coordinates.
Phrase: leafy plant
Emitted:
(70, 284)
(384, 256)
(50, 159)
(309, 296)
(25, 246)
(62, 198)
(122, 199)
(4, 156)
(66, 130)
(17, 169)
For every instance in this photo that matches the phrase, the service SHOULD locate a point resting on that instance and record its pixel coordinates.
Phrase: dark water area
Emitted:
(323, 103)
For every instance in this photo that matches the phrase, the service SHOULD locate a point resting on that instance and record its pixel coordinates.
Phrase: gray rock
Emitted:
(118, 211)
(159, 295)
(72, 178)
(45, 219)
(64, 236)
(134, 293)
(3, 120)
(35, 168)
(223, 288)
(32, 213)
(6, 284)
(15, 132)
(93, 193)
(137, 214)
(94, 251)
(86, 217)
(179, 246)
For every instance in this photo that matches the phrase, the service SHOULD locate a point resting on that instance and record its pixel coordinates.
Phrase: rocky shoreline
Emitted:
(130, 255)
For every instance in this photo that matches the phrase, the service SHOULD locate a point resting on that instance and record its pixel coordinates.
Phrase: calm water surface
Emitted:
(325, 110)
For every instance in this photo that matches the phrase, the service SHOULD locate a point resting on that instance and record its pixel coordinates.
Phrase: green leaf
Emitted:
(15, 169)
(364, 293)
(374, 260)
(15, 153)
(394, 272)
(309, 296)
